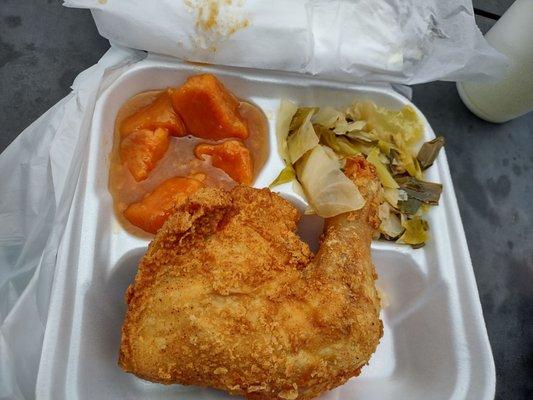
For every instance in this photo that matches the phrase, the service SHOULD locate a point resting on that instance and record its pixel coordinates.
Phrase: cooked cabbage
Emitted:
(327, 189)
(392, 195)
(383, 173)
(287, 174)
(426, 192)
(342, 127)
(385, 147)
(410, 164)
(315, 143)
(327, 117)
(285, 114)
(391, 226)
(429, 152)
(302, 140)
(416, 232)
(362, 136)
(403, 125)
(302, 114)
(338, 144)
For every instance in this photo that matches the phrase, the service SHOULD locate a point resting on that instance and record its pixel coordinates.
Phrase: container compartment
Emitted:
(434, 344)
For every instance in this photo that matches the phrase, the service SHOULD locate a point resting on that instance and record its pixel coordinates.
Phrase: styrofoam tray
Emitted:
(434, 345)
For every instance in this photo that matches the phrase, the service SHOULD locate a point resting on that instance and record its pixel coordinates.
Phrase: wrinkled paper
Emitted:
(403, 41)
(41, 168)
(397, 41)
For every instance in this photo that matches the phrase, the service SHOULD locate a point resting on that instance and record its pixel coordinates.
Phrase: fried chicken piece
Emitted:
(228, 296)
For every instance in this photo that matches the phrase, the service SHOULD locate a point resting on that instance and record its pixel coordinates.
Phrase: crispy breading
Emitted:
(229, 297)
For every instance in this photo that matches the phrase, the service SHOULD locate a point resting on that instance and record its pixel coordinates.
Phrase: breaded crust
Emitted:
(228, 296)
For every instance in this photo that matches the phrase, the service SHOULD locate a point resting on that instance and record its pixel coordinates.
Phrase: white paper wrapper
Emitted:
(41, 169)
(398, 41)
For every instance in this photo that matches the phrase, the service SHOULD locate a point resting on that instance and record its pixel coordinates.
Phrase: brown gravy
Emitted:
(179, 160)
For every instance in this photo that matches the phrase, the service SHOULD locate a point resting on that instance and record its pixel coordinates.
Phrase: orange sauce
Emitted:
(179, 160)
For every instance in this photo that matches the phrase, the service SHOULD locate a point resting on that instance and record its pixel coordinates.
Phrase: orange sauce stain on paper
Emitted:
(216, 20)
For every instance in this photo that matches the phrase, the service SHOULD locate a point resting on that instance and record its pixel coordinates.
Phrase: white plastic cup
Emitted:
(511, 96)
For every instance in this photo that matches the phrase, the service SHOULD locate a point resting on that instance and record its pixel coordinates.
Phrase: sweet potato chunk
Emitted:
(152, 212)
(232, 157)
(159, 114)
(208, 109)
(141, 150)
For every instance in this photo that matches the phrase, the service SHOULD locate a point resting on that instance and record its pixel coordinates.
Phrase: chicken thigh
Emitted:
(228, 296)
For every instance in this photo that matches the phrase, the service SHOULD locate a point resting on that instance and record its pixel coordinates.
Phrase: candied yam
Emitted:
(141, 150)
(231, 156)
(208, 109)
(151, 213)
(159, 114)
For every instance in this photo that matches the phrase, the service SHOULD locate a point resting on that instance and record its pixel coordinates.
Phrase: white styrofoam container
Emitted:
(434, 346)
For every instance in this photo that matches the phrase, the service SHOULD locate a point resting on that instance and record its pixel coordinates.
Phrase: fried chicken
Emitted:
(228, 296)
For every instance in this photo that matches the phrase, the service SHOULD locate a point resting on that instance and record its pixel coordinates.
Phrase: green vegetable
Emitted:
(286, 112)
(409, 206)
(385, 147)
(429, 152)
(410, 164)
(391, 195)
(302, 140)
(416, 232)
(383, 173)
(338, 144)
(302, 114)
(426, 192)
(362, 136)
(287, 174)
(342, 127)
(395, 164)
(315, 143)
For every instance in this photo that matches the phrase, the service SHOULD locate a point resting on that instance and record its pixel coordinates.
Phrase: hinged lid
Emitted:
(392, 41)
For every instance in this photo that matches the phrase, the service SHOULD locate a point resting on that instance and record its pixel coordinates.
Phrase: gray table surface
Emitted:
(43, 46)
